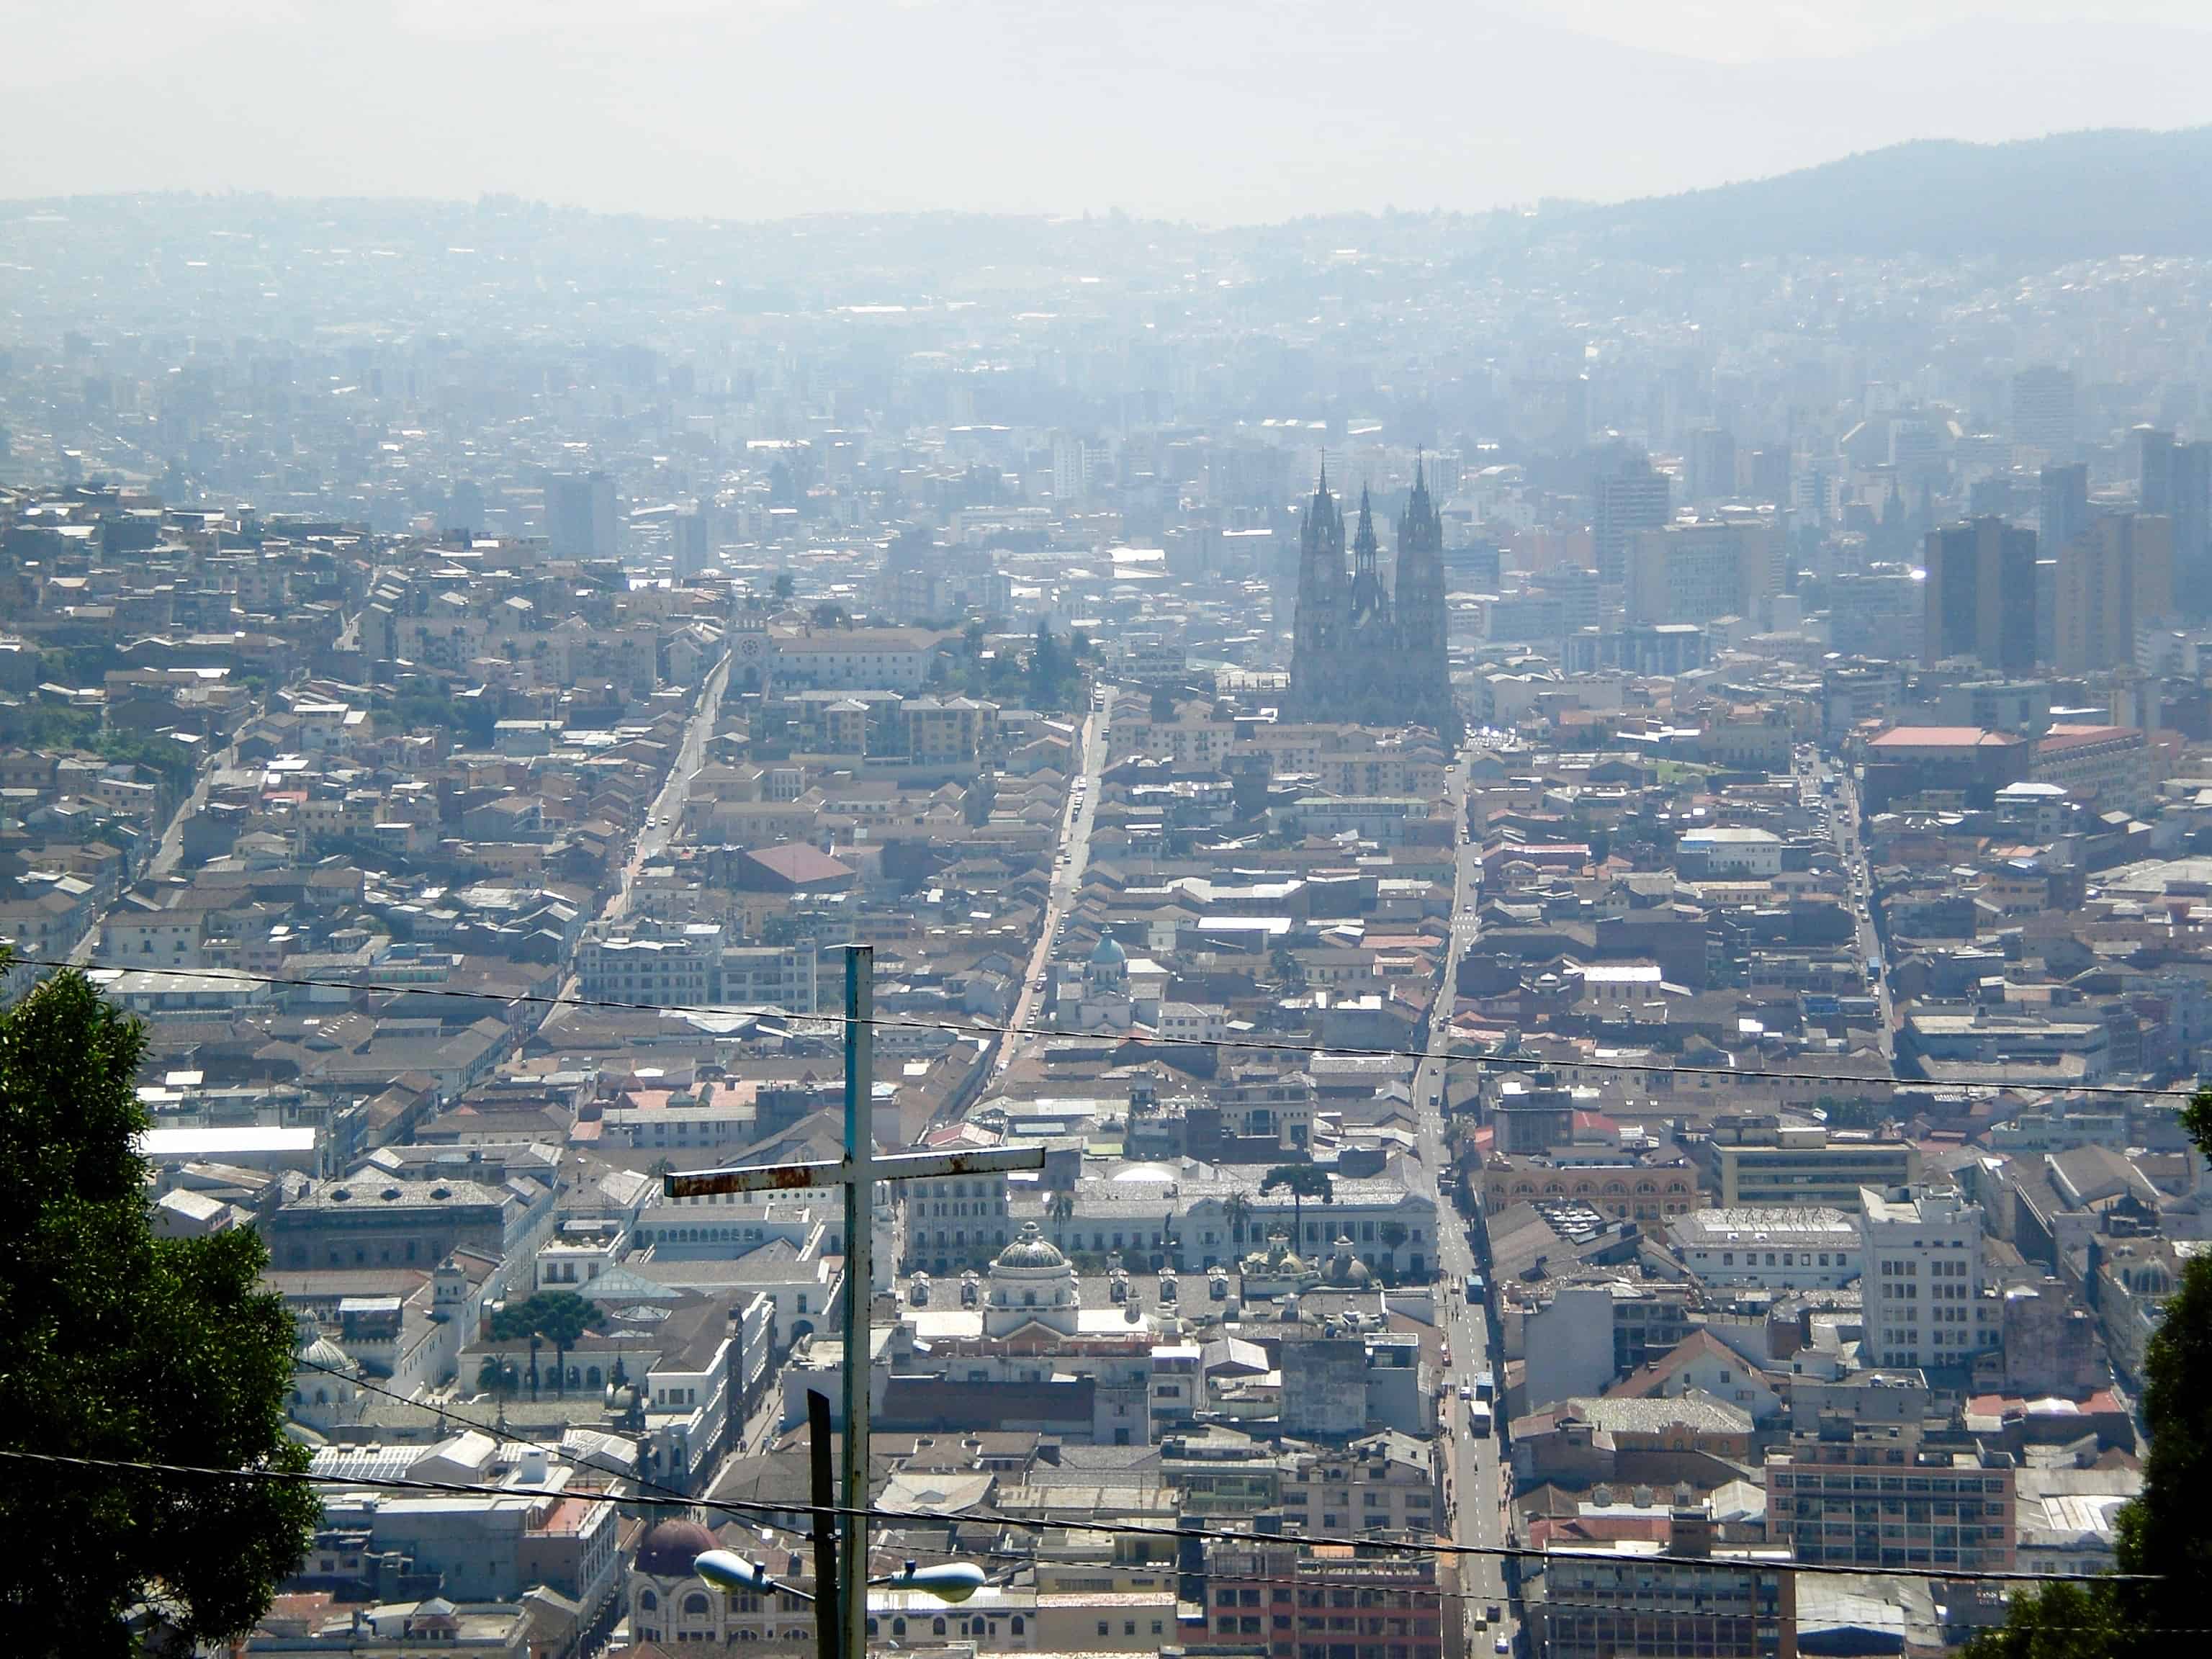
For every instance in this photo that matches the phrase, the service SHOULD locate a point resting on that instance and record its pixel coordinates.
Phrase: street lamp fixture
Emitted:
(948, 1581)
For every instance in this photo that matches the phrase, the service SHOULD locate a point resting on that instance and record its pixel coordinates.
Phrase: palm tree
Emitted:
(495, 1376)
(1393, 1234)
(1060, 1207)
(1305, 1181)
(1237, 1211)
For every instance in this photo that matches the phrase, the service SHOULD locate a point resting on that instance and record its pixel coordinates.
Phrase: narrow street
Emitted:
(661, 820)
(1471, 1463)
(167, 853)
(667, 810)
(1069, 864)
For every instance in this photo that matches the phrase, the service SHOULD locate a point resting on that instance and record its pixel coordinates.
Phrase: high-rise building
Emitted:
(2115, 577)
(1769, 482)
(1980, 595)
(2043, 410)
(1633, 499)
(579, 515)
(1699, 573)
(1920, 1279)
(1712, 463)
(2176, 483)
(2062, 505)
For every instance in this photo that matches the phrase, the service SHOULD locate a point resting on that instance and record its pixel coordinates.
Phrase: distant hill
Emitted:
(2075, 195)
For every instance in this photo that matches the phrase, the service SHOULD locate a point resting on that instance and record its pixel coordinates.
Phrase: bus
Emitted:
(1474, 1288)
(1479, 1418)
(1486, 1385)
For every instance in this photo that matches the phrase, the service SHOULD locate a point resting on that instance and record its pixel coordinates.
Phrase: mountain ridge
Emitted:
(2053, 197)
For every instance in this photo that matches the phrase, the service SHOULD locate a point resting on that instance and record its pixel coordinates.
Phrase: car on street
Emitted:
(1502, 1644)
(1467, 1390)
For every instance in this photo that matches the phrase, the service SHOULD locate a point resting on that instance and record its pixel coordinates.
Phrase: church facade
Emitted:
(1360, 651)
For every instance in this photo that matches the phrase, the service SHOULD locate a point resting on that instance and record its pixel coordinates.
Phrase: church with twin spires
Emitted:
(1361, 651)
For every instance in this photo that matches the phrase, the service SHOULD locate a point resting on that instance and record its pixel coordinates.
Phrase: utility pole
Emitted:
(859, 1284)
(829, 1636)
(857, 1172)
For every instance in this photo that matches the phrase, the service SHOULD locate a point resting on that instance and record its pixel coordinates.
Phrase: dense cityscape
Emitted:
(1562, 899)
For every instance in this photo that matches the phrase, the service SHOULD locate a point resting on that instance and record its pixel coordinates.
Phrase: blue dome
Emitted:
(1108, 951)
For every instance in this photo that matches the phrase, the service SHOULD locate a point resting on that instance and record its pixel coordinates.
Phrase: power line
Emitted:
(1258, 1045)
(1434, 1548)
(741, 1507)
(491, 1429)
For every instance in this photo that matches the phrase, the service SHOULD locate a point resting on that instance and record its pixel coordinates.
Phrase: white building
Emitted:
(652, 964)
(856, 658)
(1921, 1279)
(1776, 1248)
(1730, 850)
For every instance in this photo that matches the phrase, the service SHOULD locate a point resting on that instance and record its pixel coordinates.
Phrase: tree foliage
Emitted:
(2166, 1533)
(559, 1316)
(80, 730)
(117, 1345)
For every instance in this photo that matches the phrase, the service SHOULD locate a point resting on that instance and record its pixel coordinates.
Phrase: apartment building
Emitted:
(1891, 1495)
(1323, 1601)
(1921, 1286)
(1759, 1161)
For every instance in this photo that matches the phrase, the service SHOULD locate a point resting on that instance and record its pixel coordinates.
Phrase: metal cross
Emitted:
(857, 1172)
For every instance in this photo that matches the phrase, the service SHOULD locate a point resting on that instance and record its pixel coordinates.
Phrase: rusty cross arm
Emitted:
(887, 1166)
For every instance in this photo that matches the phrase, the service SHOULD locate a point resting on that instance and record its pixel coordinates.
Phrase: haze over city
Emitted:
(1212, 111)
(1078, 831)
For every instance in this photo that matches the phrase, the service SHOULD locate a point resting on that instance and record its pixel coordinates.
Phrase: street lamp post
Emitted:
(948, 1581)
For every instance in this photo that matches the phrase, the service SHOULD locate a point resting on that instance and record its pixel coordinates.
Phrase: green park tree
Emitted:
(118, 1345)
(2164, 1551)
(558, 1318)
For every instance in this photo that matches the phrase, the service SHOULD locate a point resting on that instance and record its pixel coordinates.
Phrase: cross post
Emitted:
(857, 1172)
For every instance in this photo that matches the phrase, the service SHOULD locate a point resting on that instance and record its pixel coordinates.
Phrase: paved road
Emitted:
(1845, 827)
(662, 817)
(666, 813)
(1075, 827)
(1472, 1466)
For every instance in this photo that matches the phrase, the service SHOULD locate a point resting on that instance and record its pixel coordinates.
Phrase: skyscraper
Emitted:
(1636, 498)
(1712, 463)
(1980, 595)
(2114, 578)
(2043, 410)
(579, 515)
(2176, 484)
(2062, 505)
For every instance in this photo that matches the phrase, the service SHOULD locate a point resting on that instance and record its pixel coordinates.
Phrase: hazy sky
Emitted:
(1214, 110)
